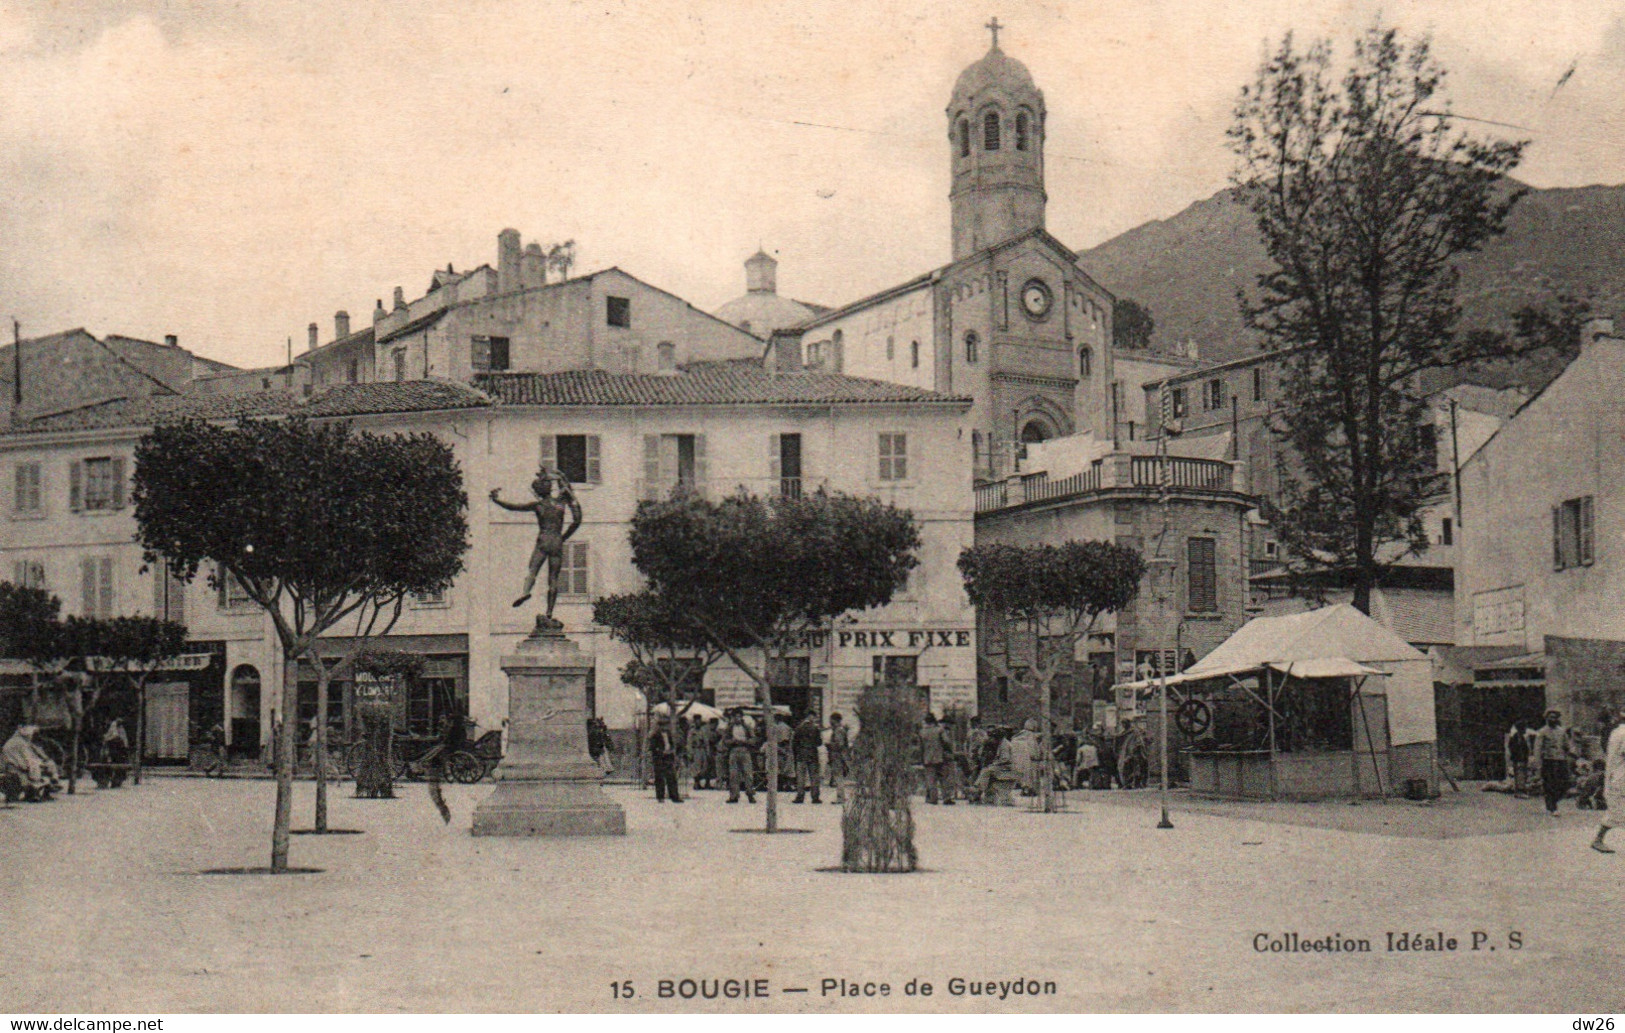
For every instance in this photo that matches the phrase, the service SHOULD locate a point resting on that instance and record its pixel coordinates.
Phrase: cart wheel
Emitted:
(464, 768)
(1193, 717)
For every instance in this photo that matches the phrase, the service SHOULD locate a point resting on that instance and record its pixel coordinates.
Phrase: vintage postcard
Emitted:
(834, 507)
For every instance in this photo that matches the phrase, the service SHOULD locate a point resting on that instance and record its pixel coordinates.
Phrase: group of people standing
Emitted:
(1552, 754)
(729, 751)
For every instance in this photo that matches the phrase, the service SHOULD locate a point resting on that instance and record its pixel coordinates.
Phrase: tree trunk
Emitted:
(771, 751)
(77, 722)
(1046, 777)
(284, 760)
(140, 727)
(319, 753)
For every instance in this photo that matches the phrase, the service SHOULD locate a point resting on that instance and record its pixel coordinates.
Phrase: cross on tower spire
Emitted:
(994, 27)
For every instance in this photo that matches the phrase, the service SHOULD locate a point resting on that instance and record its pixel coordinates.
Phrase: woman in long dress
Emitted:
(1614, 781)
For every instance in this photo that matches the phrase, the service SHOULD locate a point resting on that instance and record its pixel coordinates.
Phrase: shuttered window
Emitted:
(574, 455)
(28, 574)
(26, 497)
(671, 461)
(1573, 534)
(96, 586)
(1202, 575)
(573, 575)
(893, 457)
(96, 484)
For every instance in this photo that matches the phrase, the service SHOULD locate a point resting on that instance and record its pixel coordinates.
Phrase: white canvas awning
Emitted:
(1327, 667)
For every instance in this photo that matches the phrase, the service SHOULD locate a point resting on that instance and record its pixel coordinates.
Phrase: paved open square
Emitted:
(414, 915)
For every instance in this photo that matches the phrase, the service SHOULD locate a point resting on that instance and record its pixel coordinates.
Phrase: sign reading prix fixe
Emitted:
(890, 638)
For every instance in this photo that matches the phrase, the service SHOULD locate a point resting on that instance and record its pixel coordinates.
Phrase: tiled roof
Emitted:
(708, 383)
(1417, 616)
(345, 400)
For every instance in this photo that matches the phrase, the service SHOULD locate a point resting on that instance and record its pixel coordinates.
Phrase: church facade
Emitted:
(1014, 321)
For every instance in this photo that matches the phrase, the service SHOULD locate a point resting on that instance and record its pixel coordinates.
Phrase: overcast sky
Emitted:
(232, 172)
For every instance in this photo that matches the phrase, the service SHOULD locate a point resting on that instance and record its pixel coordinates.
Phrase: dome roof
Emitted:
(761, 313)
(995, 69)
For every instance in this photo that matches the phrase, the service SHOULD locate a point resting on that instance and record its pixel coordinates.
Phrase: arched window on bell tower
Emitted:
(990, 131)
(1023, 125)
(964, 138)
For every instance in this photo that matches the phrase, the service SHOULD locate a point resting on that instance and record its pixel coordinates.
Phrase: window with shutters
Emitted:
(893, 457)
(1573, 536)
(429, 600)
(784, 460)
(96, 591)
(1202, 575)
(672, 461)
(573, 575)
(96, 485)
(168, 595)
(666, 356)
(990, 131)
(1258, 383)
(618, 311)
(229, 592)
(28, 574)
(488, 354)
(400, 365)
(1213, 395)
(1022, 128)
(25, 499)
(574, 455)
(1176, 402)
(964, 138)
(914, 354)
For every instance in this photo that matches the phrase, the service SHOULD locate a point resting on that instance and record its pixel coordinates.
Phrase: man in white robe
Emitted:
(37, 772)
(1614, 783)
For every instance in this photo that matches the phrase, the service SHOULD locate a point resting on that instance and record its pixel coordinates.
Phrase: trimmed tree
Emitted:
(877, 826)
(375, 768)
(1056, 593)
(764, 573)
(317, 522)
(136, 647)
(670, 654)
(1367, 195)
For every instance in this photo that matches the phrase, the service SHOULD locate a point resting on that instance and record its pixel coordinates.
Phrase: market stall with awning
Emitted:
(1311, 705)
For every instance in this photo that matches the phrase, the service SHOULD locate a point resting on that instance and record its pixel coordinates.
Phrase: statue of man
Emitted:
(551, 532)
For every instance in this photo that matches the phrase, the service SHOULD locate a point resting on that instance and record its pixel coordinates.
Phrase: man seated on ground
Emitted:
(37, 772)
(1000, 767)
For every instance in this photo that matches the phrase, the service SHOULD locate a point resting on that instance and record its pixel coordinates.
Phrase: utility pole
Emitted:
(1164, 491)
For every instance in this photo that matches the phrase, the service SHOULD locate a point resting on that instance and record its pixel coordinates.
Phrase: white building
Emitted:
(621, 437)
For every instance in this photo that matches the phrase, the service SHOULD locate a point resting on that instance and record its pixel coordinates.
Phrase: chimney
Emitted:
(507, 261)
(532, 266)
(761, 273)
(171, 341)
(378, 310)
(315, 335)
(1594, 329)
(400, 299)
(341, 324)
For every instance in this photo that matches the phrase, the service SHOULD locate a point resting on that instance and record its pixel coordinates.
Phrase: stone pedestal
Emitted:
(547, 785)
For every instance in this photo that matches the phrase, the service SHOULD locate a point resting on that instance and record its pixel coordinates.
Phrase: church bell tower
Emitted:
(996, 139)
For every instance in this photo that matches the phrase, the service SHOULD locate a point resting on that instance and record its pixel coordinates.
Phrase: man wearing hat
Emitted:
(1553, 749)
